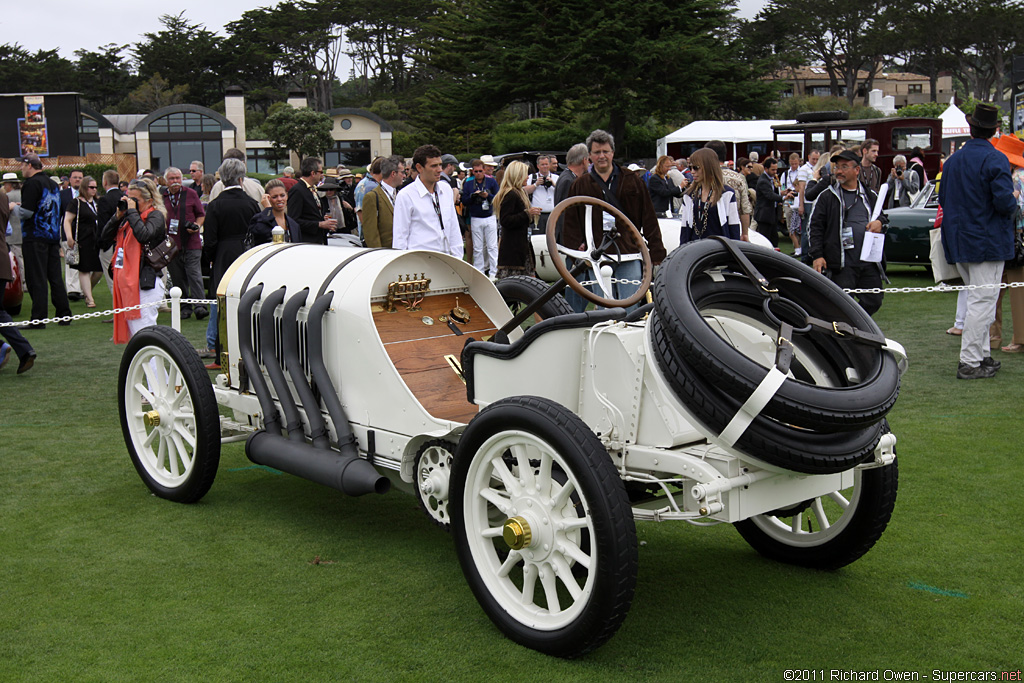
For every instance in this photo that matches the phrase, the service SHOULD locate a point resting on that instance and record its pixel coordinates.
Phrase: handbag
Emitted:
(162, 253)
(942, 270)
(71, 255)
(1018, 249)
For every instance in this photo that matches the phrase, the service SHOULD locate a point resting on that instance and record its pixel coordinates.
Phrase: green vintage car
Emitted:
(907, 239)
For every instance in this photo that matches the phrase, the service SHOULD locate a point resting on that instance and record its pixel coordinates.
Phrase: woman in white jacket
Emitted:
(709, 206)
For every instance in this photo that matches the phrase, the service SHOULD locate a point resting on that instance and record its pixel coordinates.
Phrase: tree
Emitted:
(154, 93)
(105, 76)
(628, 60)
(44, 71)
(304, 131)
(184, 53)
(298, 42)
(846, 37)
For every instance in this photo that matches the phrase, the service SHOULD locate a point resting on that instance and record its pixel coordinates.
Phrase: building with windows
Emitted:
(905, 88)
(178, 134)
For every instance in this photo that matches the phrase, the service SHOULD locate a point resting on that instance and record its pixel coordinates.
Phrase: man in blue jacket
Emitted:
(978, 203)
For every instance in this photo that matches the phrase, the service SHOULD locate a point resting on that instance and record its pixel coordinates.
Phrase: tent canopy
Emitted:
(728, 131)
(954, 122)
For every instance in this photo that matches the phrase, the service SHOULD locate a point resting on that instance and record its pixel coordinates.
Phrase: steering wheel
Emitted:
(594, 259)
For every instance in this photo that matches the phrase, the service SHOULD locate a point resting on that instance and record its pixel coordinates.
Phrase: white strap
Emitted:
(749, 410)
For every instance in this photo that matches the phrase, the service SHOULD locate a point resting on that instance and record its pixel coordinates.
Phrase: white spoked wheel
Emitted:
(829, 531)
(169, 415)
(433, 480)
(544, 529)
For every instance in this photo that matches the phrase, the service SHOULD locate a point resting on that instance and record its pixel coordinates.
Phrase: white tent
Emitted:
(728, 132)
(954, 122)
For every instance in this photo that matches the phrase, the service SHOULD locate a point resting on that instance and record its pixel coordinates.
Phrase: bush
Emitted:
(535, 134)
(790, 107)
(925, 110)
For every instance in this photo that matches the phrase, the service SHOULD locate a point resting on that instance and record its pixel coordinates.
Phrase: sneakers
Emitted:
(27, 362)
(990, 362)
(982, 371)
(213, 366)
(207, 353)
(5, 354)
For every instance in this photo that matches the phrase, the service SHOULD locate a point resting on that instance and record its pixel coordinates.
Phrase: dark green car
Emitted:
(907, 239)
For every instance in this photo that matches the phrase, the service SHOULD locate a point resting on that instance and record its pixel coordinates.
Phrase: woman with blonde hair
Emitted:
(80, 228)
(661, 187)
(709, 205)
(139, 223)
(514, 213)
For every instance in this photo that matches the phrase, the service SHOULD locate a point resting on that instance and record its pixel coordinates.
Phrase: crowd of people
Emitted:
(825, 203)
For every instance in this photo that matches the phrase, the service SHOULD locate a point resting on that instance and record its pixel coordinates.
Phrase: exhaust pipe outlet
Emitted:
(351, 475)
(290, 339)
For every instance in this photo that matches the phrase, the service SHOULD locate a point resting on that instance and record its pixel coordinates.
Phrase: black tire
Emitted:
(432, 480)
(684, 290)
(153, 353)
(818, 116)
(852, 533)
(520, 290)
(596, 550)
(775, 443)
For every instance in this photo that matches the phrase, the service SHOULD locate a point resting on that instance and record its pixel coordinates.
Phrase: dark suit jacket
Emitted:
(304, 207)
(106, 206)
(66, 195)
(766, 208)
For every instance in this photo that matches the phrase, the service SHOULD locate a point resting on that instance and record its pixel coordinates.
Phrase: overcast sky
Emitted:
(110, 21)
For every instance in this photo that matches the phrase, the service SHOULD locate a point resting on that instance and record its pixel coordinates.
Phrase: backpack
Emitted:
(47, 216)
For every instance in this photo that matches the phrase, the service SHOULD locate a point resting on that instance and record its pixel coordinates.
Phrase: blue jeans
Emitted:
(211, 328)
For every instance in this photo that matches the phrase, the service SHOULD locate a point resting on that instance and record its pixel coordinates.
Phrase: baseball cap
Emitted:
(845, 155)
(32, 160)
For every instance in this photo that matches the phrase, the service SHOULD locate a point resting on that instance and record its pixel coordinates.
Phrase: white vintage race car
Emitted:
(751, 391)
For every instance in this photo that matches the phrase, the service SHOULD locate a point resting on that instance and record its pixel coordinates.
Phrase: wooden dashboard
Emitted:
(418, 351)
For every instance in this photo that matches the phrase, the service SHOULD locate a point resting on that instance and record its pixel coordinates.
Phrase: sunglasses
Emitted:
(92, 187)
(695, 168)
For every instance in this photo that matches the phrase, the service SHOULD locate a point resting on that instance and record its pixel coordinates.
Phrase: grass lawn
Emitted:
(101, 581)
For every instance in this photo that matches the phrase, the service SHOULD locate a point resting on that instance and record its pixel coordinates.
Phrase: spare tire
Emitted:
(818, 116)
(775, 443)
(854, 384)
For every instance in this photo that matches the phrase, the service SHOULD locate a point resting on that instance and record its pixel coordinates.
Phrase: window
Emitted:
(88, 136)
(906, 139)
(263, 160)
(346, 124)
(180, 138)
(820, 91)
(915, 88)
(788, 92)
(348, 152)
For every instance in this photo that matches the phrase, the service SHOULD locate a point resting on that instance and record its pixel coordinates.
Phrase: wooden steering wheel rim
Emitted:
(563, 271)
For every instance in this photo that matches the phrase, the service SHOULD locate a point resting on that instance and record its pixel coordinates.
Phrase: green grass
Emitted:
(101, 581)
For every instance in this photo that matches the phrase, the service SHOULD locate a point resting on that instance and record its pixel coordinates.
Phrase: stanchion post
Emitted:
(176, 308)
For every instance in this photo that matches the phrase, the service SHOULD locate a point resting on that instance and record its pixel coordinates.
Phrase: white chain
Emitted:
(936, 288)
(614, 280)
(98, 314)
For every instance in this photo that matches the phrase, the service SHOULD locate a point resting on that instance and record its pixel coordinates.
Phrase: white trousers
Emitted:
(485, 244)
(149, 314)
(981, 309)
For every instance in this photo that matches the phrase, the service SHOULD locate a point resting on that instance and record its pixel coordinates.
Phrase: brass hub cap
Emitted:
(151, 419)
(516, 533)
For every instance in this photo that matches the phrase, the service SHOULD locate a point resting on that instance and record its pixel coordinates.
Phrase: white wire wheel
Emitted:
(169, 415)
(543, 526)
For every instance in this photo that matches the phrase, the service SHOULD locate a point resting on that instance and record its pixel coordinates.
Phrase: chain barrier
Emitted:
(936, 288)
(101, 314)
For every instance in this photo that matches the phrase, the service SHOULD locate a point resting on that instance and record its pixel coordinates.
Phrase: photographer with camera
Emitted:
(185, 216)
(541, 188)
(903, 185)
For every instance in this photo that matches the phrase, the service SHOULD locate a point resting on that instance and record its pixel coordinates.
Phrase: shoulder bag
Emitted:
(71, 255)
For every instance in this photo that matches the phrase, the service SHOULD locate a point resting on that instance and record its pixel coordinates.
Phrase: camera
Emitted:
(122, 204)
(899, 171)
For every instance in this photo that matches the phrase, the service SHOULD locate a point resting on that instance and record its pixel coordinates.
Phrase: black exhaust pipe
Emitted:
(290, 345)
(344, 471)
(271, 418)
(269, 352)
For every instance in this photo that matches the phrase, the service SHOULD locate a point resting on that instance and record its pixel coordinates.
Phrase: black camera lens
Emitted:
(122, 204)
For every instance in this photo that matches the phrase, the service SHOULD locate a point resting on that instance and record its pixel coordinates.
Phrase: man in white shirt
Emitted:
(425, 215)
(251, 186)
(541, 188)
(804, 175)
